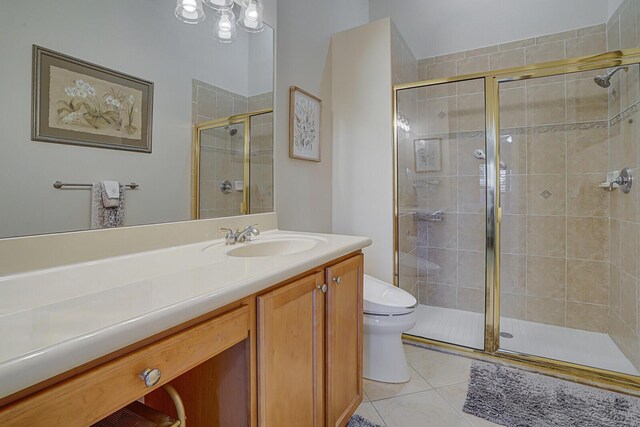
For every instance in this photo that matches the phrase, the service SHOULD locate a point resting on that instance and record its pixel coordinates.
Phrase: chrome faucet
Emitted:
(247, 233)
(231, 238)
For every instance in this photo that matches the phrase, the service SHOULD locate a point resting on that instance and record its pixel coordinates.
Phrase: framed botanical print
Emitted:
(304, 125)
(427, 155)
(76, 102)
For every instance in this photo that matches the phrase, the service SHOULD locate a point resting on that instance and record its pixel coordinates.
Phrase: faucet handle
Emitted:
(230, 237)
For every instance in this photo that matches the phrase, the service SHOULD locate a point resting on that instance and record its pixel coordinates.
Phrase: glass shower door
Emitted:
(221, 170)
(568, 259)
(261, 163)
(441, 222)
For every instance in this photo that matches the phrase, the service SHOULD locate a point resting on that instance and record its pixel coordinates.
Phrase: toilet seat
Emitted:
(383, 299)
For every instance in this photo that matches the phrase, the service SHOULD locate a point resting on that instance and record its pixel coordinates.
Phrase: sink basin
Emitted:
(273, 247)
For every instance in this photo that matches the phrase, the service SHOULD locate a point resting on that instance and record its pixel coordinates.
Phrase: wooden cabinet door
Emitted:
(291, 354)
(344, 340)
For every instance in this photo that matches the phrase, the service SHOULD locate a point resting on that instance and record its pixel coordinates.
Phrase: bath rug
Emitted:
(516, 398)
(358, 421)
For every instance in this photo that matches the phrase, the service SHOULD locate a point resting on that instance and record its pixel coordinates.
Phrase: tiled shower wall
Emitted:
(624, 96)
(222, 155)
(555, 229)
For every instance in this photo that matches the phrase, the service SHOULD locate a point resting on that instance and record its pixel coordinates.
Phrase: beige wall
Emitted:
(624, 149)
(362, 132)
(303, 188)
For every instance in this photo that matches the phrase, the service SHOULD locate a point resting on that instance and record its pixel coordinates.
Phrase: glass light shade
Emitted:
(250, 18)
(225, 29)
(219, 4)
(190, 11)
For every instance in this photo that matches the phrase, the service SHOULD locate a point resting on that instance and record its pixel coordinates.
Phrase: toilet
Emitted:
(388, 312)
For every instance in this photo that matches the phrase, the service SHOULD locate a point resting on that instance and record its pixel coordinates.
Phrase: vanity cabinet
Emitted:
(344, 340)
(287, 356)
(92, 395)
(310, 348)
(291, 354)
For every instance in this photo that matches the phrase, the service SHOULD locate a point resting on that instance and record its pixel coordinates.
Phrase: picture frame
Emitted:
(305, 111)
(79, 103)
(427, 155)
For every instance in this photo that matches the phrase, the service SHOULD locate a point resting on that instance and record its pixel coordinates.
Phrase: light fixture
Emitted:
(225, 29)
(219, 4)
(250, 18)
(190, 11)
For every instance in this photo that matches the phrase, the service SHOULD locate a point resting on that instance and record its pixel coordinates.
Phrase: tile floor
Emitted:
(433, 397)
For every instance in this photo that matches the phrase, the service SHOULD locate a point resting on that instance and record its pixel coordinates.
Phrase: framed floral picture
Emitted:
(427, 155)
(304, 125)
(76, 102)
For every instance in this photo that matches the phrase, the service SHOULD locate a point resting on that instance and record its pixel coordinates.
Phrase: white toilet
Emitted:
(388, 312)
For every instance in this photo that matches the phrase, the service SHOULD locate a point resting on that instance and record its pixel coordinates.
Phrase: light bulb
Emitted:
(225, 30)
(251, 23)
(219, 4)
(251, 13)
(251, 16)
(189, 11)
(189, 6)
(225, 24)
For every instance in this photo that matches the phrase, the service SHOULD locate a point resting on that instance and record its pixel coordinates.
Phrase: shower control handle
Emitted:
(624, 181)
(226, 186)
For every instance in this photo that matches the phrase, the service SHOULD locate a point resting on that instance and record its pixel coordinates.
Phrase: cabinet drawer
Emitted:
(88, 397)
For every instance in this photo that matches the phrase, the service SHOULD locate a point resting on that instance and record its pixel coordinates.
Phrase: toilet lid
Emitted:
(383, 298)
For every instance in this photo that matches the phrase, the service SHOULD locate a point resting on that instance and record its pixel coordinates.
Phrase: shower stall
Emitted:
(233, 165)
(517, 215)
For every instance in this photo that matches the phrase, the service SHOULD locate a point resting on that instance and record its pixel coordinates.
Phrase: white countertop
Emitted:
(54, 320)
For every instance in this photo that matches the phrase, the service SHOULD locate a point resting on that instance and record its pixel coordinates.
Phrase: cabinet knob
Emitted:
(323, 288)
(338, 280)
(150, 376)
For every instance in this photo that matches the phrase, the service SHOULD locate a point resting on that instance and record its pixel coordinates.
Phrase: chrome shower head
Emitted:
(602, 81)
(605, 80)
(231, 131)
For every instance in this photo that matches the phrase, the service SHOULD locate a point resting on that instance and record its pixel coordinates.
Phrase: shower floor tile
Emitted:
(574, 345)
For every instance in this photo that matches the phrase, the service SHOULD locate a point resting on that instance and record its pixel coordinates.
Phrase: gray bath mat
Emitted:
(358, 421)
(516, 398)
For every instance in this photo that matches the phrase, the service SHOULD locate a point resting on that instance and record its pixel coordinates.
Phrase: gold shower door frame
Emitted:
(245, 119)
(580, 373)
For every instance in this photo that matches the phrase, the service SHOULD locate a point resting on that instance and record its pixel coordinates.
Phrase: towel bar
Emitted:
(60, 184)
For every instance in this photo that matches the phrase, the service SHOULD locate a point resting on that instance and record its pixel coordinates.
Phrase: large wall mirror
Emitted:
(123, 92)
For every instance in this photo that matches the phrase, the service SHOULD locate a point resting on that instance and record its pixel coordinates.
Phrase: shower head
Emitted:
(605, 80)
(231, 131)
